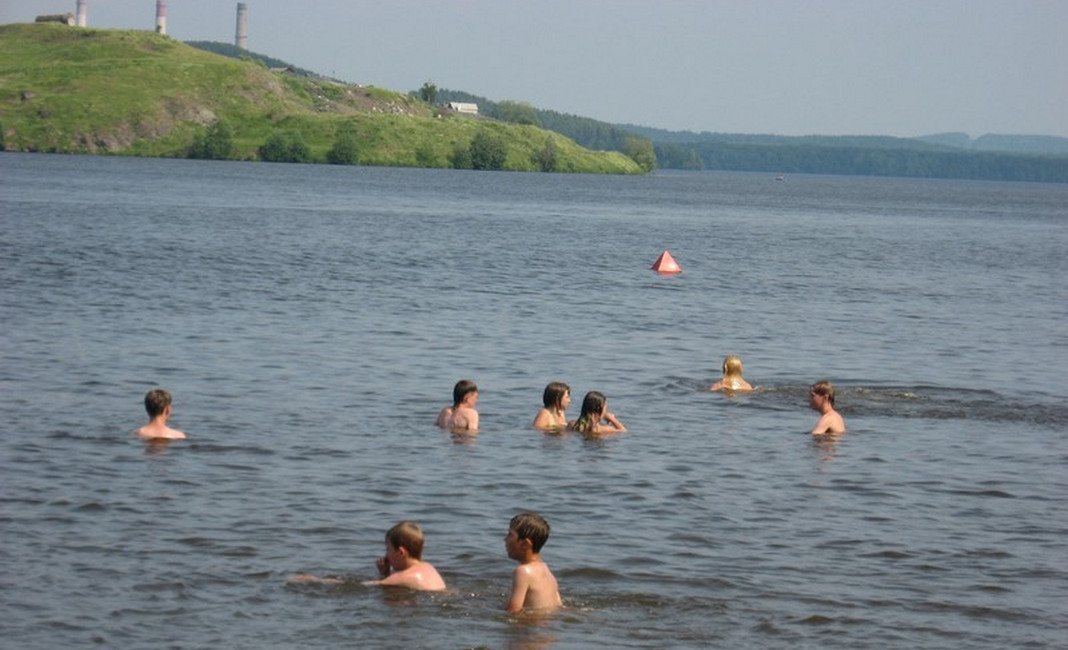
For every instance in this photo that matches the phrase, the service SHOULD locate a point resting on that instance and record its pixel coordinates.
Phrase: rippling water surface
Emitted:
(311, 320)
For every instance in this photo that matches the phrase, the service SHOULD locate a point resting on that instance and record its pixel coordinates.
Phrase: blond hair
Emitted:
(824, 388)
(409, 536)
(732, 366)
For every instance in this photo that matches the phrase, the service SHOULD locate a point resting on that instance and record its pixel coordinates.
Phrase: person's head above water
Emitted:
(824, 389)
(461, 390)
(409, 536)
(553, 397)
(732, 366)
(156, 402)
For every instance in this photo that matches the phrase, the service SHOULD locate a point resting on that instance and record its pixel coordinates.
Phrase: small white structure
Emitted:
(464, 107)
(81, 13)
(66, 19)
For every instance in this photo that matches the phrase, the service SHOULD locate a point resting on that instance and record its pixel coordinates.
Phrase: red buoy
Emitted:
(666, 264)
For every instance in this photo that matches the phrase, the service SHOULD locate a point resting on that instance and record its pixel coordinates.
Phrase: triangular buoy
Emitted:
(666, 264)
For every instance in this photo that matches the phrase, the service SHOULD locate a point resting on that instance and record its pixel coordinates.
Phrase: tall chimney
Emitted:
(241, 36)
(81, 13)
(161, 16)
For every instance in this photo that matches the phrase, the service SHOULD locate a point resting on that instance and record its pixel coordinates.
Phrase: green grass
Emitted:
(126, 92)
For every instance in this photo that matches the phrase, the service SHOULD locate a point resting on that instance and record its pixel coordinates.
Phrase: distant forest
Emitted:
(952, 155)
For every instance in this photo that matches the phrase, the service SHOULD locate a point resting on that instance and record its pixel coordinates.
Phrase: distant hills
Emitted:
(991, 157)
(1025, 144)
(1022, 144)
(131, 92)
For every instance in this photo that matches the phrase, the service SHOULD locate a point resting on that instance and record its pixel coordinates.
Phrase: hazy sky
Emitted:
(788, 67)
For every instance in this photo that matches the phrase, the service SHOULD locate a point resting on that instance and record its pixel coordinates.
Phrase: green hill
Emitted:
(77, 90)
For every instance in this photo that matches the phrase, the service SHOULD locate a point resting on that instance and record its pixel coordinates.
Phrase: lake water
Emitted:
(311, 320)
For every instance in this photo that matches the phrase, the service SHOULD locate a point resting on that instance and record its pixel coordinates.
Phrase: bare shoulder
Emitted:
(154, 433)
(444, 416)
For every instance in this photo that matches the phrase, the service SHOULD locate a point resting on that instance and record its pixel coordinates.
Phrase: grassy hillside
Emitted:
(79, 90)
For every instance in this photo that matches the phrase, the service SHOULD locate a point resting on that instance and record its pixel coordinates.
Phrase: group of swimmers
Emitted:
(595, 418)
(534, 588)
(820, 396)
(461, 416)
(533, 584)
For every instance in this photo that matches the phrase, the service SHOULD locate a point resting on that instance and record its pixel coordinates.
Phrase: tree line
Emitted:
(843, 155)
(586, 132)
(863, 161)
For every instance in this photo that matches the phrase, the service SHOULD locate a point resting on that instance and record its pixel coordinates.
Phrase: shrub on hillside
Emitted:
(215, 143)
(285, 147)
(345, 150)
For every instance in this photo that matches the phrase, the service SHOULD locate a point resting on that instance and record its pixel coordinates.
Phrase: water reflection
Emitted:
(463, 437)
(157, 446)
(531, 631)
(825, 444)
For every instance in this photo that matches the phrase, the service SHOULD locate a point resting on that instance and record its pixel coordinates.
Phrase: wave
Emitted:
(895, 401)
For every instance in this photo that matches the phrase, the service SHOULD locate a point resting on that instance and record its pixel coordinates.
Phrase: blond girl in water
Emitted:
(732, 376)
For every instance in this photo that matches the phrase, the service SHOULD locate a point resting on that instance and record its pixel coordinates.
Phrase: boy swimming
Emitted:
(821, 398)
(533, 584)
(401, 566)
(158, 406)
(461, 416)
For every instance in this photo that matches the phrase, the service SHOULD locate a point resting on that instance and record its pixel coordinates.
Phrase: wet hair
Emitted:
(409, 536)
(592, 407)
(156, 402)
(532, 526)
(553, 396)
(461, 390)
(732, 366)
(824, 388)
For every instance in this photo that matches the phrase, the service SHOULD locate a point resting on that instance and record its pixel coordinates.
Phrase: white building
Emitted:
(464, 107)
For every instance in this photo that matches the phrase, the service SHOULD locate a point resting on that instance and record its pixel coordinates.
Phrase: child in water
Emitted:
(821, 398)
(595, 417)
(556, 398)
(401, 566)
(158, 406)
(732, 376)
(461, 416)
(533, 584)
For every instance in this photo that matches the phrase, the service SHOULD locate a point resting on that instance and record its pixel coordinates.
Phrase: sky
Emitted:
(786, 67)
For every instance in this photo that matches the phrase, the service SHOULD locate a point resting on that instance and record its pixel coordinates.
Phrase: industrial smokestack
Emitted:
(241, 35)
(161, 16)
(81, 13)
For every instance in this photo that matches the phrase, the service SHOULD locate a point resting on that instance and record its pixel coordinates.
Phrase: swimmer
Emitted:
(158, 405)
(556, 398)
(595, 417)
(461, 416)
(732, 376)
(401, 566)
(533, 584)
(821, 398)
